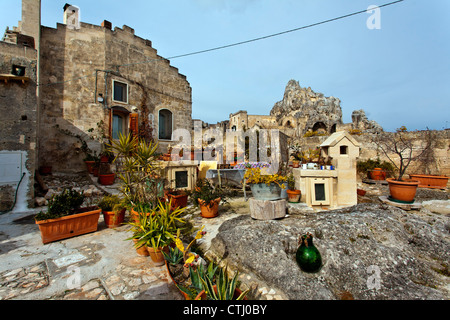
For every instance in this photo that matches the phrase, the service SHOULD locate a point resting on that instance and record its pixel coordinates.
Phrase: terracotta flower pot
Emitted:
(185, 295)
(361, 192)
(377, 174)
(430, 181)
(142, 251)
(90, 166)
(157, 256)
(104, 159)
(113, 219)
(106, 179)
(295, 164)
(135, 215)
(210, 210)
(403, 191)
(69, 226)
(178, 200)
(294, 195)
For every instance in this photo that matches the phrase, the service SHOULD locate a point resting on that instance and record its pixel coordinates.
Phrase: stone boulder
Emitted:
(369, 252)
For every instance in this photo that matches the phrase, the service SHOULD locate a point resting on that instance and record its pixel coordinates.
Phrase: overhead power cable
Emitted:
(241, 42)
(280, 33)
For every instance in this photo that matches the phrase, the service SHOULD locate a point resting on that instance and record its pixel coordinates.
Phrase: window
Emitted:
(120, 91)
(117, 126)
(165, 124)
(344, 150)
(18, 71)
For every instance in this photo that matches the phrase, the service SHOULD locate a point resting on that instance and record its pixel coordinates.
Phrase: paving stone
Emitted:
(18, 282)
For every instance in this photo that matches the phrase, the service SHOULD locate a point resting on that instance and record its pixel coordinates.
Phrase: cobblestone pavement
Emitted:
(102, 265)
(80, 268)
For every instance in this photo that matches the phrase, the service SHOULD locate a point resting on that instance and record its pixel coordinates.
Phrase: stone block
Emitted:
(267, 210)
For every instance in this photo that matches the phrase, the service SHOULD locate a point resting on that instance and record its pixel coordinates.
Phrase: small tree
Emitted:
(401, 144)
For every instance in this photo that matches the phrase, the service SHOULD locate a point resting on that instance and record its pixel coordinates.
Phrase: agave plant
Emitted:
(224, 287)
(174, 256)
(156, 228)
(197, 277)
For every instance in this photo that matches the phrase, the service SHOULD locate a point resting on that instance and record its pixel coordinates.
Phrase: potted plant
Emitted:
(296, 155)
(157, 230)
(138, 232)
(181, 263)
(264, 186)
(90, 160)
(105, 176)
(293, 194)
(179, 198)
(311, 157)
(375, 169)
(221, 288)
(208, 198)
(401, 144)
(65, 218)
(113, 210)
(106, 156)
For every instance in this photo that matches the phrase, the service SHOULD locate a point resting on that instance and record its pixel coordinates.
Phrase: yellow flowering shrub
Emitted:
(255, 176)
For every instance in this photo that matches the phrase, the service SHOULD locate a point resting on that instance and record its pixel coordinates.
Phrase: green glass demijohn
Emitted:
(308, 257)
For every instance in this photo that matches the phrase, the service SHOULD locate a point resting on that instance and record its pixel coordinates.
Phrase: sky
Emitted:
(399, 74)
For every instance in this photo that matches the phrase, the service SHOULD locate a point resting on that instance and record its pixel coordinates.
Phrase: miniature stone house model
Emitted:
(181, 175)
(332, 188)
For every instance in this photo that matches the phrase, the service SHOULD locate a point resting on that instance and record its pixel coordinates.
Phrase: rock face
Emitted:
(310, 110)
(360, 122)
(369, 251)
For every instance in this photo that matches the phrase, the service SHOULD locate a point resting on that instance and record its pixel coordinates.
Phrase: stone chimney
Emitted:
(31, 20)
(71, 16)
(106, 24)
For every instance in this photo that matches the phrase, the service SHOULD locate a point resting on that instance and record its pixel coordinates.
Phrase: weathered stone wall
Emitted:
(18, 109)
(262, 121)
(78, 65)
(369, 150)
(441, 152)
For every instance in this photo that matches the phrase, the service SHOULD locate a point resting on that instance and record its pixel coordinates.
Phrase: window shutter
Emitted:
(134, 124)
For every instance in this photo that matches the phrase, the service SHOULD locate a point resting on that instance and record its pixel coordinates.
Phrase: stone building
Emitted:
(95, 74)
(82, 80)
(19, 112)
